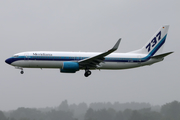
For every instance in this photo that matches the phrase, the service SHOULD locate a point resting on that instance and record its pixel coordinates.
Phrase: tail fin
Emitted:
(155, 45)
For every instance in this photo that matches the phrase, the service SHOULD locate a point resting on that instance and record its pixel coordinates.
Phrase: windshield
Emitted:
(15, 56)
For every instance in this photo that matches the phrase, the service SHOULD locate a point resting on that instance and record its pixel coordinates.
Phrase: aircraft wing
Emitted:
(92, 62)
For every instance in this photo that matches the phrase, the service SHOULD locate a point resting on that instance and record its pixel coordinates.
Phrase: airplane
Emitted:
(71, 62)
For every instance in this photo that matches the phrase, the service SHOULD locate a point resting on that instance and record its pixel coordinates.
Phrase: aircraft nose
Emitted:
(8, 61)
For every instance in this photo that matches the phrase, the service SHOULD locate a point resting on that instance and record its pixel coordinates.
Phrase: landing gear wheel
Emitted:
(87, 73)
(22, 72)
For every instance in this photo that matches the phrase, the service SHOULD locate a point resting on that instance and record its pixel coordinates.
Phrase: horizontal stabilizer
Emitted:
(161, 55)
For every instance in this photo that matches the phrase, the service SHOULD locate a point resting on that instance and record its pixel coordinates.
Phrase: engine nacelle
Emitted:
(70, 67)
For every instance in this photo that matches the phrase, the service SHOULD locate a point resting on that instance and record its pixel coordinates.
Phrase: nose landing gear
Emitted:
(87, 73)
(22, 72)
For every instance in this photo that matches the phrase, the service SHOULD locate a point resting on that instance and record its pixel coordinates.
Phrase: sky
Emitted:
(90, 26)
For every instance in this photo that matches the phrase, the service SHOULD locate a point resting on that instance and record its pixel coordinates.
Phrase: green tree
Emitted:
(171, 110)
(64, 106)
(103, 115)
(127, 114)
(119, 116)
(111, 112)
(152, 115)
(59, 115)
(2, 116)
(89, 114)
(28, 113)
(136, 115)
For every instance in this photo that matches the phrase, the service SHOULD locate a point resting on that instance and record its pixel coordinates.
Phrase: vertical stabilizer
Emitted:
(155, 44)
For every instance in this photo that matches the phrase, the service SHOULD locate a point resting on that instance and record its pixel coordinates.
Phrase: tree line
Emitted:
(97, 111)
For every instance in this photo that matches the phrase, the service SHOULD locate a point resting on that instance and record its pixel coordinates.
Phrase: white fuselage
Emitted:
(45, 59)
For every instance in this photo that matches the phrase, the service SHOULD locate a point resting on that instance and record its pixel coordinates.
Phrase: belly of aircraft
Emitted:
(38, 64)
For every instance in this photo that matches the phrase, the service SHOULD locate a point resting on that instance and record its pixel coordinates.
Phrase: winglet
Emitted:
(116, 45)
(95, 60)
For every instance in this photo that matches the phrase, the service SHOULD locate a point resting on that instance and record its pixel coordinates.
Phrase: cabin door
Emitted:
(26, 60)
(26, 56)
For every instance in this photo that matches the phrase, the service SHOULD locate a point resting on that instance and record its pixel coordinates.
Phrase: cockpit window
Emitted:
(16, 56)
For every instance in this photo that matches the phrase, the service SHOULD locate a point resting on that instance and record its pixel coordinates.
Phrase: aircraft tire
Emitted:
(22, 72)
(87, 73)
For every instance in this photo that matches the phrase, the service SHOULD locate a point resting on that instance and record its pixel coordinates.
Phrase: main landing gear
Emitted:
(87, 72)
